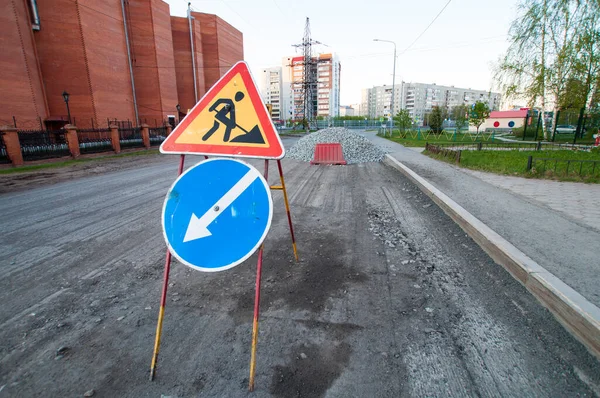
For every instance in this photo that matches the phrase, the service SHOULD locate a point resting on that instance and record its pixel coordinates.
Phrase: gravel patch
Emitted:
(356, 148)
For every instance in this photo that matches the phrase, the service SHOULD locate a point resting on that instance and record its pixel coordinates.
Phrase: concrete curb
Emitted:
(580, 317)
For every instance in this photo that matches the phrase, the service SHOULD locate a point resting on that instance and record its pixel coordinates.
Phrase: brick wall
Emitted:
(104, 35)
(21, 82)
(81, 49)
(231, 45)
(222, 45)
(183, 61)
(151, 44)
(165, 57)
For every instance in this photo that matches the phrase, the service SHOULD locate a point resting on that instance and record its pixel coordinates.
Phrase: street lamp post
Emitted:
(65, 96)
(393, 86)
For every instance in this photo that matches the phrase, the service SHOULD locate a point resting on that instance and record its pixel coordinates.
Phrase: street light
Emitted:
(65, 96)
(393, 85)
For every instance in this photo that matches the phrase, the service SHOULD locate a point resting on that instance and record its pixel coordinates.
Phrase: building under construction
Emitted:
(124, 60)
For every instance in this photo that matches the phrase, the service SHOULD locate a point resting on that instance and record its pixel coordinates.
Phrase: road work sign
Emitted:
(217, 214)
(230, 120)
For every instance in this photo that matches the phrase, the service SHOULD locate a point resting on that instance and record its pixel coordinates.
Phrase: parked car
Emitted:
(565, 129)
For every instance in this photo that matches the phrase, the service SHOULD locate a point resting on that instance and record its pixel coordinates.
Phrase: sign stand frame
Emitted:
(163, 298)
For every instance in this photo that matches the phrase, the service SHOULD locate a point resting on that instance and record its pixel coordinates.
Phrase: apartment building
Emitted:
(347, 110)
(420, 98)
(376, 101)
(328, 85)
(324, 75)
(270, 85)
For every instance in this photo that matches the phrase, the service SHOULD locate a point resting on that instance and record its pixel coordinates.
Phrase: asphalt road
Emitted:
(390, 299)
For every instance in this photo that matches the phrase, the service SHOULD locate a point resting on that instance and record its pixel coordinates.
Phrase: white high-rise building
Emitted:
(271, 90)
(328, 85)
(420, 98)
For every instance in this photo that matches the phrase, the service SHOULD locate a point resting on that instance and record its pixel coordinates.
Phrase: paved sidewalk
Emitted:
(579, 201)
(565, 245)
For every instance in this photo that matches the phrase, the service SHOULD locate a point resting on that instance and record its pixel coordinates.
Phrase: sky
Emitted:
(460, 48)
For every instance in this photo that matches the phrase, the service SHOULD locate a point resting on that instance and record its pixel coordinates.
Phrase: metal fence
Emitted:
(564, 167)
(480, 146)
(94, 140)
(42, 144)
(3, 154)
(521, 146)
(131, 137)
(447, 153)
(157, 135)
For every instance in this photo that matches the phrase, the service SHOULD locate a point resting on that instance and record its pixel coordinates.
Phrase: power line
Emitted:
(427, 28)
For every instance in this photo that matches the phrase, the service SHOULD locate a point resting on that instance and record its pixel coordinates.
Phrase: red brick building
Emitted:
(81, 46)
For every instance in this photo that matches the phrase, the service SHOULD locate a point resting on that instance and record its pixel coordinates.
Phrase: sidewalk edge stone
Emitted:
(579, 316)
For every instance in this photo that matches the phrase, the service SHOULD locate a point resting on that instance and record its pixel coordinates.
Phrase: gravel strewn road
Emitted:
(390, 299)
(563, 245)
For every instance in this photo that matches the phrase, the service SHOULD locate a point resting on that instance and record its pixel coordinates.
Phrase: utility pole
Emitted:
(309, 81)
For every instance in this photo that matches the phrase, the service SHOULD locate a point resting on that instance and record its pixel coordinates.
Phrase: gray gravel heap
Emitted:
(356, 148)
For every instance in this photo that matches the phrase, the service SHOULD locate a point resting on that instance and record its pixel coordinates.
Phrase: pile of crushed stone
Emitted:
(356, 148)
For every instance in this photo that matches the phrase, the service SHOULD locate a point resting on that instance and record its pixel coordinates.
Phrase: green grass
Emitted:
(568, 138)
(66, 163)
(414, 139)
(515, 163)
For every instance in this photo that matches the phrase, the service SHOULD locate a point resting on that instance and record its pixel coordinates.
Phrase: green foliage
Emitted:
(515, 163)
(478, 113)
(435, 118)
(403, 120)
(554, 54)
(460, 115)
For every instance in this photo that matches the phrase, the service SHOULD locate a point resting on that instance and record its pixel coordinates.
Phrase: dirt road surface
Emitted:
(390, 298)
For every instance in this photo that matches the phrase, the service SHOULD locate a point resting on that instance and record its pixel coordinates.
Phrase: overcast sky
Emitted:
(459, 49)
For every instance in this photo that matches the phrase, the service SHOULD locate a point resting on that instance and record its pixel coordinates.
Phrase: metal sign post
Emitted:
(218, 197)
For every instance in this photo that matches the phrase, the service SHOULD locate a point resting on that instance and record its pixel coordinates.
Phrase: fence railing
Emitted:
(522, 146)
(42, 144)
(157, 135)
(94, 140)
(447, 153)
(130, 137)
(3, 153)
(480, 146)
(564, 167)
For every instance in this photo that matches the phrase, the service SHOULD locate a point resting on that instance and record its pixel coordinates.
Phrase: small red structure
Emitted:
(328, 153)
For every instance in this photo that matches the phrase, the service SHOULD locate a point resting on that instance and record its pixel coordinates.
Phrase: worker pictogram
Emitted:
(229, 120)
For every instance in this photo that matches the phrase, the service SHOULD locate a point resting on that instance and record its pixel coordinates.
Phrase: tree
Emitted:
(403, 120)
(551, 43)
(480, 111)
(460, 115)
(436, 118)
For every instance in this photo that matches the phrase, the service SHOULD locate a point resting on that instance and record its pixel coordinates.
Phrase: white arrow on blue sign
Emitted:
(217, 214)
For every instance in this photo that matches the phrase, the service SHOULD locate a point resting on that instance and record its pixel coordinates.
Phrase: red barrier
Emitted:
(330, 153)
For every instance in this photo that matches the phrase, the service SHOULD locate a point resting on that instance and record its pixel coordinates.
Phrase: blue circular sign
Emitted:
(216, 214)
(511, 124)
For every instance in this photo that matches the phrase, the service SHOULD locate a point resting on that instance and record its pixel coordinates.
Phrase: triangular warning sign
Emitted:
(230, 120)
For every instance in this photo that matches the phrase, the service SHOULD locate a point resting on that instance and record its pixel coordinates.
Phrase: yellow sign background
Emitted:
(245, 116)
